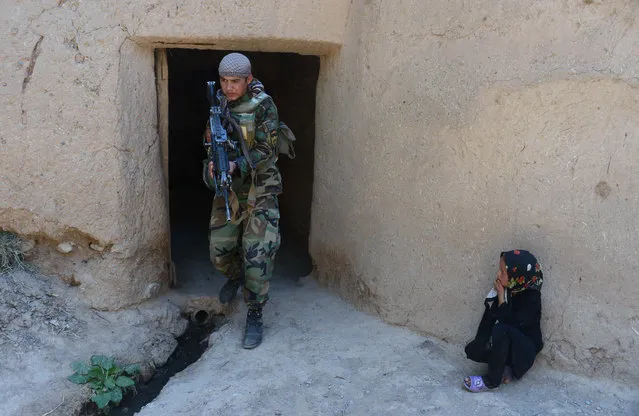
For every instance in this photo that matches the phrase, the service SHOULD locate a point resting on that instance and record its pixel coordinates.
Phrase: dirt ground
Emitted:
(321, 356)
(44, 327)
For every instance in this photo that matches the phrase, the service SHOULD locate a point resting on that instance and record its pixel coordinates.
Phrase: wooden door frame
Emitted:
(162, 90)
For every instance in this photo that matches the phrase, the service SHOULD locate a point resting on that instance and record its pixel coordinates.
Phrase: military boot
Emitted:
(253, 331)
(229, 290)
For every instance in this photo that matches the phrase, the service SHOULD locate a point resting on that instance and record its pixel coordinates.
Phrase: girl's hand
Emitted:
(498, 287)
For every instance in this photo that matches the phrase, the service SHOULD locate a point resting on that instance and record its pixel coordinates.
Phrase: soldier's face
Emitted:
(235, 87)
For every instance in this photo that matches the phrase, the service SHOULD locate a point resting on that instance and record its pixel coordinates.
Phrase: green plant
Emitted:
(107, 380)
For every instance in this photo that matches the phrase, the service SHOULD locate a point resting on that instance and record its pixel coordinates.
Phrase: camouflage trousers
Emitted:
(246, 245)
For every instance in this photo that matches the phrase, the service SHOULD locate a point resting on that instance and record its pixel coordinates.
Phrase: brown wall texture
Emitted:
(456, 130)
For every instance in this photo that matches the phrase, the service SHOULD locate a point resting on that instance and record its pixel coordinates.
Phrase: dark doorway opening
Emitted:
(291, 80)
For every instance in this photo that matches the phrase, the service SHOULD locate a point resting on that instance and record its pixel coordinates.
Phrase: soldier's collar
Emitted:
(240, 100)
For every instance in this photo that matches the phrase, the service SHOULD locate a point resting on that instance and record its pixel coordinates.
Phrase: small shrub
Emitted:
(11, 252)
(107, 380)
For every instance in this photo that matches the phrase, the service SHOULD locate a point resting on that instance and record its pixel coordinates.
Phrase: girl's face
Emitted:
(502, 275)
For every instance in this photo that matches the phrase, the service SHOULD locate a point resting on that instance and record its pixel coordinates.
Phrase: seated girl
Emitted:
(509, 335)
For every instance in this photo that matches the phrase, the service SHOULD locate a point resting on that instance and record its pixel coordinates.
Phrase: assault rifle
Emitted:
(218, 148)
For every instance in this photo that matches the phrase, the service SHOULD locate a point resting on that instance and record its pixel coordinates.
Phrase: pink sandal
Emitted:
(476, 384)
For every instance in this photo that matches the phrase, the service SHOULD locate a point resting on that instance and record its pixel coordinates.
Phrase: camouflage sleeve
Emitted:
(265, 146)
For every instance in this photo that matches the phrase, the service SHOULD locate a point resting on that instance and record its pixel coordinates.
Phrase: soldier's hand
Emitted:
(211, 168)
(207, 135)
(232, 167)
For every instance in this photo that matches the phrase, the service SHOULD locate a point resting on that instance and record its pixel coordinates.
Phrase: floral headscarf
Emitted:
(524, 271)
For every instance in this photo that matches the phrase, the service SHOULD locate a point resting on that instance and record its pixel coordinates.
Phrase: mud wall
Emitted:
(81, 160)
(456, 130)
(446, 132)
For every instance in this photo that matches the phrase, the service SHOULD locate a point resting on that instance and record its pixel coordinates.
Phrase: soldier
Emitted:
(244, 249)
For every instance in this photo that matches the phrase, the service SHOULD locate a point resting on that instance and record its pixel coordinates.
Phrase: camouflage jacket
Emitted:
(260, 129)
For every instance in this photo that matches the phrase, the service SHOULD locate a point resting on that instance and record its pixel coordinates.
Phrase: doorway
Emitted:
(291, 80)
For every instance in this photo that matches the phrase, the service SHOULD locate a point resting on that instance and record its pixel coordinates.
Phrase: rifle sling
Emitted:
(243, 144)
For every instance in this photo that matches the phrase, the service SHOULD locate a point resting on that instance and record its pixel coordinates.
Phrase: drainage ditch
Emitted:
(191, 346)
